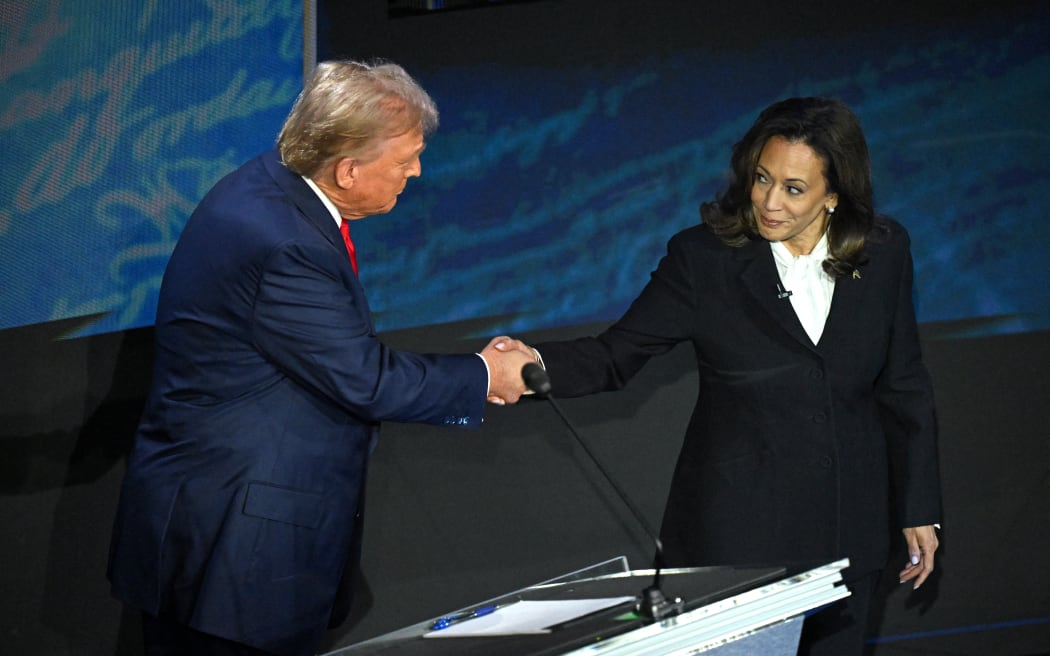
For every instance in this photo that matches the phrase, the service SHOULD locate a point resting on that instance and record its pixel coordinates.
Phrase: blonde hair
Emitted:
(346, 108)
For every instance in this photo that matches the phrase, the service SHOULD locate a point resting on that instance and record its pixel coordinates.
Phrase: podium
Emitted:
(728, 611)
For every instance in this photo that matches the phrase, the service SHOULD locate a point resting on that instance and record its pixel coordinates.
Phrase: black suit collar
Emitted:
(317, 215)
(849, 294)
(762, 281)
(304, 198)
(760, 277)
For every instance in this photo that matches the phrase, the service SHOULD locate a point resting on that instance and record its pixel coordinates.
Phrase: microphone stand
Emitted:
(652, 604)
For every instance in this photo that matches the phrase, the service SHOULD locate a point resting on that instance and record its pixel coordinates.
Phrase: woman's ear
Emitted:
(831, 203)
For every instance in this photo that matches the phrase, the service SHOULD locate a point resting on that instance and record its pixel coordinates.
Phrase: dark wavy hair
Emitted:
(831, 129)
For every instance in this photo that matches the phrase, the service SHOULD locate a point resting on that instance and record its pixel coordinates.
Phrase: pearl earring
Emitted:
(831, 210)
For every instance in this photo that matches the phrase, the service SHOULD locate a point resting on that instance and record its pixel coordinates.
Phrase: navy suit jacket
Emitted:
(794, 449)
(239, 505)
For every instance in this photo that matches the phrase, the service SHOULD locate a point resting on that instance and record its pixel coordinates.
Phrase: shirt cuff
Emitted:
(488, 375)
(539, 358)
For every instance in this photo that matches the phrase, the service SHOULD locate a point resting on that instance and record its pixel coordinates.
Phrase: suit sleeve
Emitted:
(654, 324)
(307, 323)
(906, 403)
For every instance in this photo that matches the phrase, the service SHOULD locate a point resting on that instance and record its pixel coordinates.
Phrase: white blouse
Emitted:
(808, 287)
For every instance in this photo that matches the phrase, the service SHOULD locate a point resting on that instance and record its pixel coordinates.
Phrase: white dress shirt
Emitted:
(810, 287)
(332, 209)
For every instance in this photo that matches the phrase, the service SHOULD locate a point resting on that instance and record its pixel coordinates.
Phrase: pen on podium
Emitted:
(449, 620)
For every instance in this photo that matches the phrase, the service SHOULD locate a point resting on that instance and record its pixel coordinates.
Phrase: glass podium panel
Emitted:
(722, 605)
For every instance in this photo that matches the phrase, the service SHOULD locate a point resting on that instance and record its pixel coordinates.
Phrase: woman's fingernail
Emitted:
(914, 560)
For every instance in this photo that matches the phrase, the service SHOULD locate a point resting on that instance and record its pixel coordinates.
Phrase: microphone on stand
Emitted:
(653, 604)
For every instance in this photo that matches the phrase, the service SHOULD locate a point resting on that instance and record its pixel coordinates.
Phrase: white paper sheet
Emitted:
(524, 617)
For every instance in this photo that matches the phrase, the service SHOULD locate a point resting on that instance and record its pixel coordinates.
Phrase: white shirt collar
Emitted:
(785, 258)
(332, 209)
(808, 286)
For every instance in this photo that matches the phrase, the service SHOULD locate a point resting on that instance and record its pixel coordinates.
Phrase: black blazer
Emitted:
(793, 449)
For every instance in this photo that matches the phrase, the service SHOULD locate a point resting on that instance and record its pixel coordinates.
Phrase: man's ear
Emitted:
(345, 172)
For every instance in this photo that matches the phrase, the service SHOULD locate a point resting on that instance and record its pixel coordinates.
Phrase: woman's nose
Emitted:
(770, 200)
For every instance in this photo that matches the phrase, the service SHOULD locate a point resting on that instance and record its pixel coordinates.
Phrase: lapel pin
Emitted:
(856, 274)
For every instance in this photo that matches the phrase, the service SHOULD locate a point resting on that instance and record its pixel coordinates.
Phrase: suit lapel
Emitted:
(848, 296)
(316, 214)
(760, 278)
(304, 198)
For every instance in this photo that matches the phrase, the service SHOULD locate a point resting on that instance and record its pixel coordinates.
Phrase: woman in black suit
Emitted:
(814, 425)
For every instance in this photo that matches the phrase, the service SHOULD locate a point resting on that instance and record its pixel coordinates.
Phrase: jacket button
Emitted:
(816, 374)
(820, 418)
(825, 461)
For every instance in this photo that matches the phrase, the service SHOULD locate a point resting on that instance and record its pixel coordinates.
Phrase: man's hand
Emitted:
(504, 343)
(505, 358)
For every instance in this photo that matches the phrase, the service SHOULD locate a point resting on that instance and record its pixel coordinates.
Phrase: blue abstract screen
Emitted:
(550, 189)
(115, 118)
(549, 192)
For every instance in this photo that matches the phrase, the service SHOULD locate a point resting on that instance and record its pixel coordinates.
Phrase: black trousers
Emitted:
(841, 628)
(162, 637)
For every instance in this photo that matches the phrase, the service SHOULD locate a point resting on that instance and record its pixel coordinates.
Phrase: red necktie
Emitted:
(344, 227)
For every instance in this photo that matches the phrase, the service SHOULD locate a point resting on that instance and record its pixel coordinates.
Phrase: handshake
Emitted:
(505, 358)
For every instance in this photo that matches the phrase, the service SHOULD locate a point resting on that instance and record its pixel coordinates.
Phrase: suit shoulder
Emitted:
(262, 172)
(888, 231)
(698, 237)
(250, 209)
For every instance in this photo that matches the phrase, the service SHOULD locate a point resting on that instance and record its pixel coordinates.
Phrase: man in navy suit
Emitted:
(241, 506)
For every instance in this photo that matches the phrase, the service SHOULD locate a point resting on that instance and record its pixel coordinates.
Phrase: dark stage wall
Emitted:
(455, 517)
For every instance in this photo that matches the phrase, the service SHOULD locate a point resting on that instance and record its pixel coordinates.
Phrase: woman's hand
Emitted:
(922, 543)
